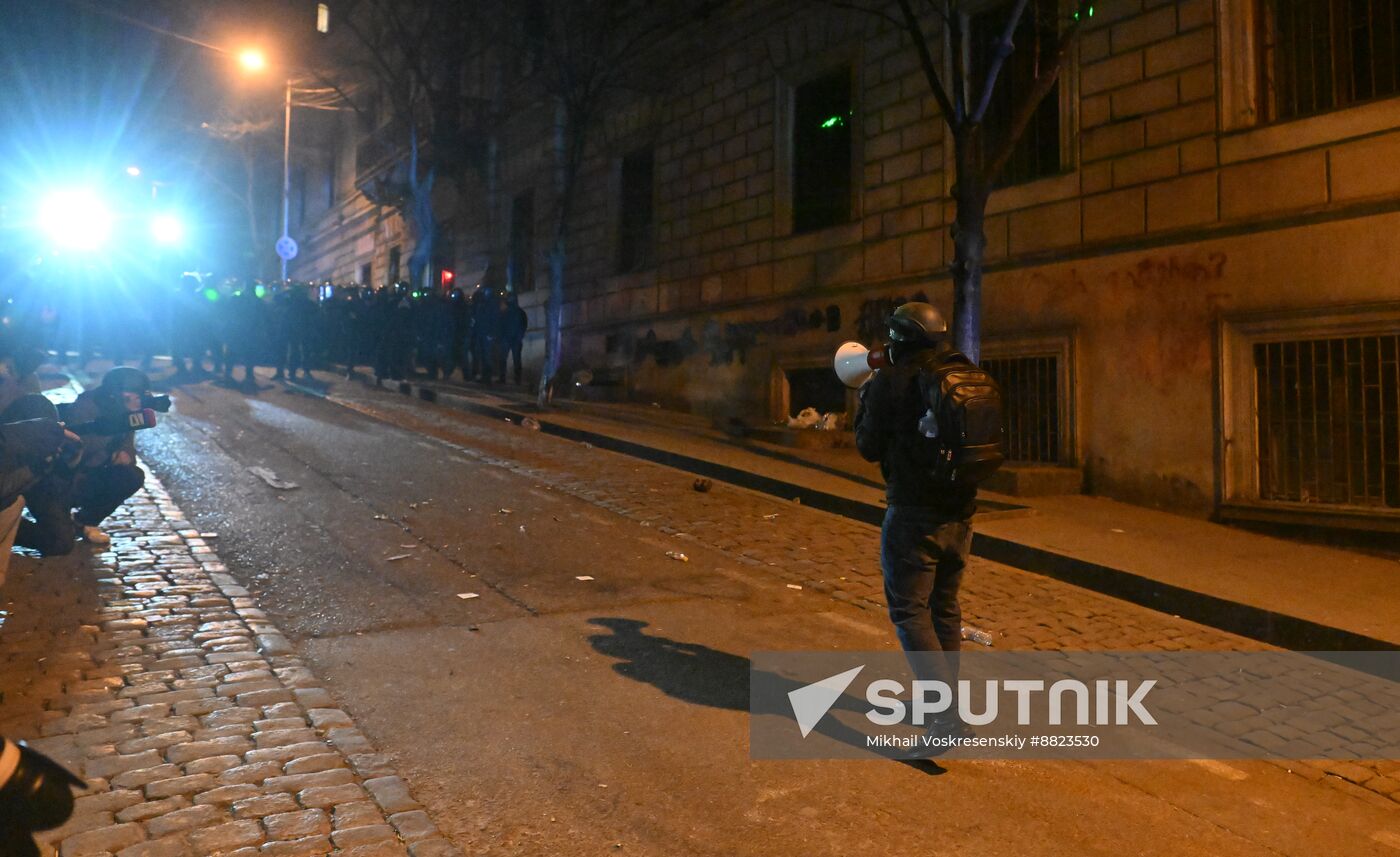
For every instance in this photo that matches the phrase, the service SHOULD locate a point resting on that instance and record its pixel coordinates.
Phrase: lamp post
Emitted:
(285, 240)
(254, 60)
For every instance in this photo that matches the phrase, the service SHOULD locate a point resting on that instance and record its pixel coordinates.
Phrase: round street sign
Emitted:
(286, 248)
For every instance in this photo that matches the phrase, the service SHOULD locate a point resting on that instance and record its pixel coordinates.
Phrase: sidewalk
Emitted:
(150, 672)
(1283, 593)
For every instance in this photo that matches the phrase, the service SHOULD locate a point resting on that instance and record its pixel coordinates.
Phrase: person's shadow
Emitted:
(701, 675)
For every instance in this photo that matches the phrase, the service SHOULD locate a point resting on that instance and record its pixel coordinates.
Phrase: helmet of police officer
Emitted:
(126, 379)
(916, 323)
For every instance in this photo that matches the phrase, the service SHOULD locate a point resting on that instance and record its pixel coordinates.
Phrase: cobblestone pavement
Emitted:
(150, 672)
(835, 555)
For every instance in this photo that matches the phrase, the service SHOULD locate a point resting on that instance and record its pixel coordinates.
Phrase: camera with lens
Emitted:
(155, 402)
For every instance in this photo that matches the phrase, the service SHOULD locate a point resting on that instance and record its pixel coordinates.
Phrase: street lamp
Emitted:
(254, 60)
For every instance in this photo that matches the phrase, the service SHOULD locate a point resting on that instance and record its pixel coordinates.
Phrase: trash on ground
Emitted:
(271, 479)
(530, 423)
(522, 528)
(380, 518)
(805, 419)
(976, 635)
(1116, 530)
(702, 485)
(505, 511)
(770, 517)
(583, 577)
(465, 595)
(410, 547)
(677, 555)
(793, 586)
(398, 556)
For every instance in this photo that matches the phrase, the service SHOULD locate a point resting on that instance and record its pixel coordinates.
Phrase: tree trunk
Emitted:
(553, 320)
(564, 160)
(969, 243)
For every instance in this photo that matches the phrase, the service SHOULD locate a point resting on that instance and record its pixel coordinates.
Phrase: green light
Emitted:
(259, 291)
(211, 294)
(834, 121)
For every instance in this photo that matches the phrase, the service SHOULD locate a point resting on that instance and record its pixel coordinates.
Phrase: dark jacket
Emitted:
(887, 431)
(99, 449)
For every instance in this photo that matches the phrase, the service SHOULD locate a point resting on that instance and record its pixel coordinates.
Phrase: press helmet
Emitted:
(916, 323)
(126, 379)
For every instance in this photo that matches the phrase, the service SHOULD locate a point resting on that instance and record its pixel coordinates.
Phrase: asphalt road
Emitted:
(550, 715)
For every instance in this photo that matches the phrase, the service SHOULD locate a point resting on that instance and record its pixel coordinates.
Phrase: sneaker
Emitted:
(93, 535)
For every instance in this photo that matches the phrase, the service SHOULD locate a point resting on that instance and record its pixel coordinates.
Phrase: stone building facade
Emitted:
(1190, 290)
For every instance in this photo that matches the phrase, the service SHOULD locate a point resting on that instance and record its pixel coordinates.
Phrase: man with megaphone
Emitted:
(932, 419)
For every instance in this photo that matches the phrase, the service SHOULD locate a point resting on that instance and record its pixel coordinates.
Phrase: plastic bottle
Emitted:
(976, 635)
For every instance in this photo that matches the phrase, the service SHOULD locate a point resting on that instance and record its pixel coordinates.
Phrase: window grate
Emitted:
(1030, 392)
(1320, 55)
(1037, 153)
(1328, 427)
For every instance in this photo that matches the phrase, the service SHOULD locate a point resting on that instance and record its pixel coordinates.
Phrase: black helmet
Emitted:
(31, 406)
(916, 323)
(126, 379)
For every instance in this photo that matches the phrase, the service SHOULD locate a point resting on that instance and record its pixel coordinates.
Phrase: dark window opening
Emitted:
(1030, 395)
(1037, 153)
(367, 274)
(815, 388)
(1329, 421)
(635, 215)
(1319, 55)
(395, 257)
(821, 152)
(519, 274)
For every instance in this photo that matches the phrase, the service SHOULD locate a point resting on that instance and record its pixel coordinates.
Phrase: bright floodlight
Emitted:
(167, 229)
(75, 219)
(133, 171)
(252, 59)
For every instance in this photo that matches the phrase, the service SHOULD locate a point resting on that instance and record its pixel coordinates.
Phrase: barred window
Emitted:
(1038, 152)
(821, 152)
(1321, 55)
(1329, 420)
(635, 216)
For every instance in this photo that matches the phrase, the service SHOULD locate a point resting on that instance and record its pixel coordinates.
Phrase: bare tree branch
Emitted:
(916, 34)
(1004, 48)
(1025, 110)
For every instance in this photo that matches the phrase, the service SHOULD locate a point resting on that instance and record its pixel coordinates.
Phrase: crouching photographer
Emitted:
(36, 793)
(30, 445)
(102, 477)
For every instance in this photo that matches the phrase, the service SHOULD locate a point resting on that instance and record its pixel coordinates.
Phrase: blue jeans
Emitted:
(923, 556)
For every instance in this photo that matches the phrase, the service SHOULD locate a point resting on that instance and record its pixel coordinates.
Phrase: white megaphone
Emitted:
(855, 363)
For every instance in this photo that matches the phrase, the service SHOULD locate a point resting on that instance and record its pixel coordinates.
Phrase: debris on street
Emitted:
(399, 556)
(466, 595)
(976, 635)
(583, 577)
(702, 485)
(677, 555)
(272, 479)
(530, 423)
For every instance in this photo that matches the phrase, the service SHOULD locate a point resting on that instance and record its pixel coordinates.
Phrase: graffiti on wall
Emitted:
(729, 342)
(1164, 305)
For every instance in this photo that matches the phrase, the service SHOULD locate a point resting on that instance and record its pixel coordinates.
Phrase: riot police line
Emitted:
(222, 329)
